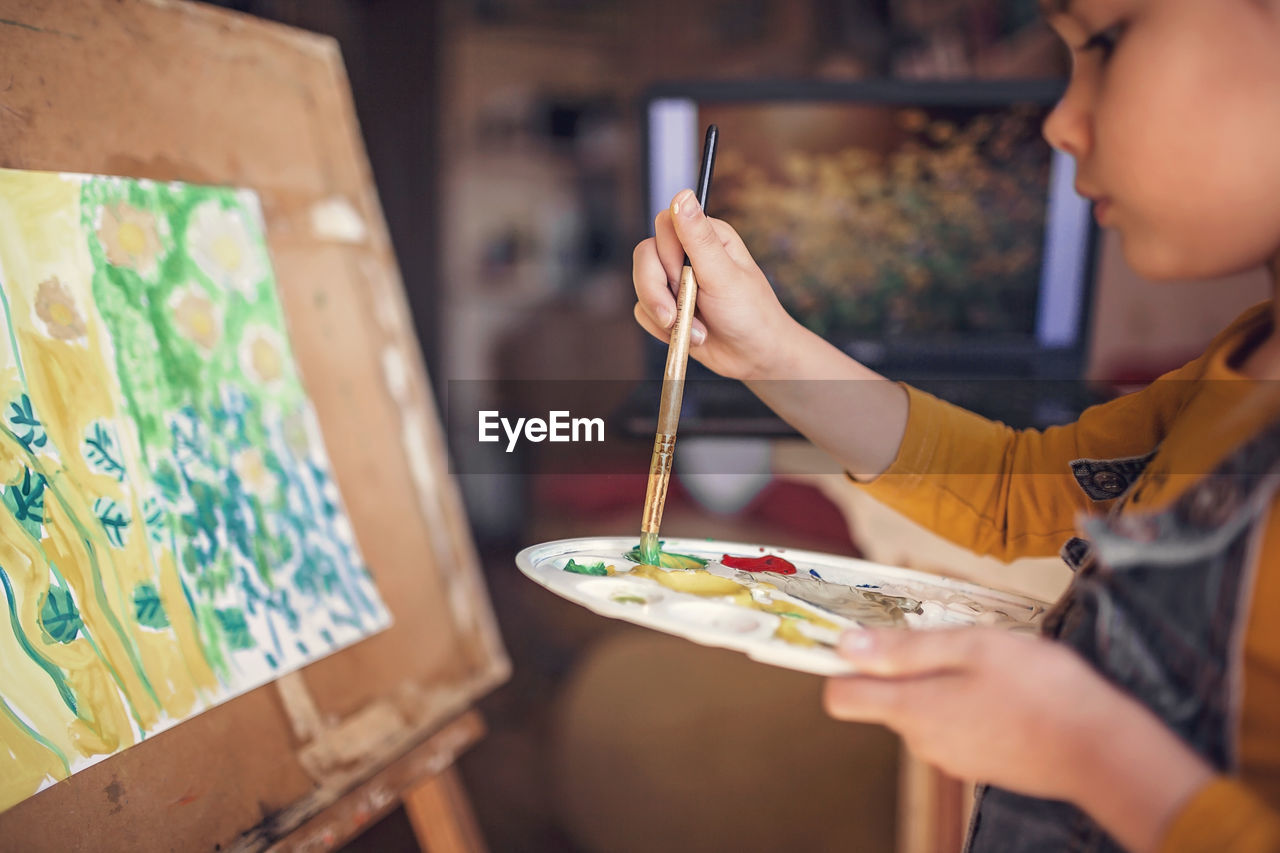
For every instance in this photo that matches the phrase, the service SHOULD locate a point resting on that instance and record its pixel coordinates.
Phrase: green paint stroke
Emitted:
(35, 735)
(148, 609)
(667, 559)
(13, 339)
(160, 365)
(200, 348)
(581, 569)
(55, 674)
(59, 616)
(131, 649)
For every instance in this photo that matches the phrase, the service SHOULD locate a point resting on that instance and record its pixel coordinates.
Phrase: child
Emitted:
(1148, 716)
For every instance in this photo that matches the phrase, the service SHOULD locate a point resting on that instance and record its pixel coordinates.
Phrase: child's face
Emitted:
(1173, 117)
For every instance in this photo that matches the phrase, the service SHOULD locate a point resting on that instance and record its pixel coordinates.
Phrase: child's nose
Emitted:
(1069, 126)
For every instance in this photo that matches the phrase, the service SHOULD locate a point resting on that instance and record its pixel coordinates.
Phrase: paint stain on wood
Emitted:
(115, 793)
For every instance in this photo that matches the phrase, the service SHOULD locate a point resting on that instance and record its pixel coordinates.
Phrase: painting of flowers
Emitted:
(170, 531)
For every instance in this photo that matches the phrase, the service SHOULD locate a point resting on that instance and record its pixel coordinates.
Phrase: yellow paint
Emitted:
(789, 631)
(702, 582)
(692, 581)
(103, 724)
(226, 251)
(70, 387)
(38, 700)
(132, 238)
(25, 764)
(202, 328)
(266, 360)
(62, 313)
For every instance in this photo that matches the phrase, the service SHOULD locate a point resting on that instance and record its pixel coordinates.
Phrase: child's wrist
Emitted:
(1135, 780)
(775, 357)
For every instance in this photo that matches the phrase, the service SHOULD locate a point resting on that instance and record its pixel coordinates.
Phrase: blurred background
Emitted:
(508, 143)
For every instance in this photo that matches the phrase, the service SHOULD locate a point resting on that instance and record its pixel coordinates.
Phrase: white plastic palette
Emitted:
(718, 621)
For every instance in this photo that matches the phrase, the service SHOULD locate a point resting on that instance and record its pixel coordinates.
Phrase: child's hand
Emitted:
(1024, 713)
(739, 325)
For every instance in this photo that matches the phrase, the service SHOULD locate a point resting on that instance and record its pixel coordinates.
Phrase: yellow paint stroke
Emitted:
(691, 581)
(125, 677)
(33, 693)
(25, 763)
(702, 582)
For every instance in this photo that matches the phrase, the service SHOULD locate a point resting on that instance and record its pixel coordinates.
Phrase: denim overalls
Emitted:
(1159, 606)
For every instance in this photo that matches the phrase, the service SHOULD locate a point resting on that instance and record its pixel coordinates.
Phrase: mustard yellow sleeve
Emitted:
(1010, 493)
(1223, 817)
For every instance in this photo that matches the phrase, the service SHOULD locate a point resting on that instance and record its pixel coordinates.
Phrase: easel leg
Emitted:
(933, 808)
(441, 815)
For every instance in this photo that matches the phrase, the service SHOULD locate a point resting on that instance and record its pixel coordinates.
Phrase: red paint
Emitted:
(767, 563)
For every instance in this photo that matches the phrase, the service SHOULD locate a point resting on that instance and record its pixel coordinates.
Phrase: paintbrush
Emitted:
(664, 443)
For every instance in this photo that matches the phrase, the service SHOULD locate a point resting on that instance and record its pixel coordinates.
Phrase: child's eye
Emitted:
(1104, 41)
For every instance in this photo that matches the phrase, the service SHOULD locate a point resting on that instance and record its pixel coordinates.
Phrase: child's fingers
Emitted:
(898, 653)
(670, 252)
(647, 323)
(697, 333)
(883, 700)
(652, 285)
(732, 243)
(701, 242)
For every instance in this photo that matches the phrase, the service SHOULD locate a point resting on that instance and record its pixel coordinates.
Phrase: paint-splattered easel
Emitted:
(176, 91)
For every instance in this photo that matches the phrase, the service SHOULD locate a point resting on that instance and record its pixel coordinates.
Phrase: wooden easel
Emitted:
(176, 91)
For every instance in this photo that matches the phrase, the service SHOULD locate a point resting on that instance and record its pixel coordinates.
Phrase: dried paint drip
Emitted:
(666, 559)
(767, 563)
(598, 569)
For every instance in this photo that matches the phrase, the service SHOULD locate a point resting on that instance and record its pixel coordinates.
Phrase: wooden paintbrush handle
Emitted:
(678, 354)
(655, 495)
(664, 445)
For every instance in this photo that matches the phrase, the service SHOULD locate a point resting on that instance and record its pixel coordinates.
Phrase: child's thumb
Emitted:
(701, 243)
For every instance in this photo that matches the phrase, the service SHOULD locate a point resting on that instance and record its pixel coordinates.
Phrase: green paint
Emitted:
(25, 500)
(580, 569)
(666, 559)
(55, 674)
(34, 735)
(148, 609)
(100, 593)
(26, 425)
(235, 627)
(59, 615)
(113, 519)
(13, 338)
(650, 548)
(215, 650)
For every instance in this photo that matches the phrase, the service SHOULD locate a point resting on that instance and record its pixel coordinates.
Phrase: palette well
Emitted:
(777, 605)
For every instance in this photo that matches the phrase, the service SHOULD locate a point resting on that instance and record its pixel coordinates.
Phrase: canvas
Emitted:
(171, 534)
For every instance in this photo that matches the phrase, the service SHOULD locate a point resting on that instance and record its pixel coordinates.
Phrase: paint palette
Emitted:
(779, 606)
